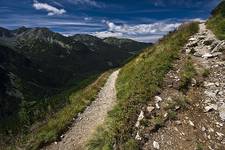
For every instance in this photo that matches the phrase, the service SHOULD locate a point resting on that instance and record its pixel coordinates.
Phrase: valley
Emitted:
(83, 92)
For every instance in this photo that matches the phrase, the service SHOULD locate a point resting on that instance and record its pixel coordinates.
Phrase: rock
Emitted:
(193, 39)
(197, 54)
(192, 44)
(178, 122)
(191, 123)
(62, 136)
(220, 134)
(216, 54)
(220, 47)
(158, 99)
(211, 130)
(211, 107)
(150, 109)
(55, 143)
(207, 84)
(203, 129)
(201, 37)
(193, 82)
(219, 124)
(210, 94)
(207, 55)
(217, 84)
(156, 145)
(140, 117)
(138, 137)
(222, 112)
(165, 115)
(157, 106)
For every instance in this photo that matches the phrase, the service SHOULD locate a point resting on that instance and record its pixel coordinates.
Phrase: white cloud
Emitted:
(50, 9)
(104, 34)
(158, 27)
(141, 32)
(87, 18)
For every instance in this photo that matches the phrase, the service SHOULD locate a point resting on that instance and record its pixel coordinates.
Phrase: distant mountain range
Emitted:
(36, 63)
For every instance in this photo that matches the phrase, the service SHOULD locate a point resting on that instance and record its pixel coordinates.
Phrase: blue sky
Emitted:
(142, 20)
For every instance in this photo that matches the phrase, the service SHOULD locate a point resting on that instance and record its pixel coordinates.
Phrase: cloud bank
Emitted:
(141, 32)
(50, 9)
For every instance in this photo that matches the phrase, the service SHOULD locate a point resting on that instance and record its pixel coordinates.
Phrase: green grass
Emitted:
(206, 73)
(137, 83)
(57, 124)
(186, 75)
(217, 21)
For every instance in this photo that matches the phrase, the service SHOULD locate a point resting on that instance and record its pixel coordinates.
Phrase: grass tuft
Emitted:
(186, 75)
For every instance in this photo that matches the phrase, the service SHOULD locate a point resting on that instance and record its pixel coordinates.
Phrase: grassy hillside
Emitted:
(138, 82)
(56, 124)
(217, 21)
(39, 69)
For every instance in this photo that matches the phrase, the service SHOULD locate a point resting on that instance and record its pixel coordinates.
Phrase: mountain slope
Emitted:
(217, 21)
(40, 69)
(127, 45)
(137, 82)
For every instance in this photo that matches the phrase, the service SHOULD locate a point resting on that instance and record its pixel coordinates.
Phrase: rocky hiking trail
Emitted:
(86, 123)
(192, 118)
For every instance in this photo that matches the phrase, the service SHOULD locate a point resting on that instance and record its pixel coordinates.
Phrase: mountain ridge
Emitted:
(37, 63)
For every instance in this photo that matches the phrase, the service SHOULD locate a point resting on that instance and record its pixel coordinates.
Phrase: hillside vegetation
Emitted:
(137, 83)
(217, 21)
(40, 69)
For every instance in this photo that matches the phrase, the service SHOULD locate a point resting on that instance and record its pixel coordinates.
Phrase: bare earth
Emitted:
(86, 123)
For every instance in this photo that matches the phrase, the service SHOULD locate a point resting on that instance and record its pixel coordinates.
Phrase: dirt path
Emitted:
(177, 120)
(93, 116)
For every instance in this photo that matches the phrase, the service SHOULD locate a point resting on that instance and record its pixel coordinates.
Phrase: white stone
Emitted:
(158, 99)
(192, 39)
(157, 106)
(211, 107)
(210, 94)
(207, 84)
(211, 130)
(191, 123)
(156, 145)
(150, 109)
(207, 55)
(140, 117)
(220, 134)
(203, 129)
(138, 137)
